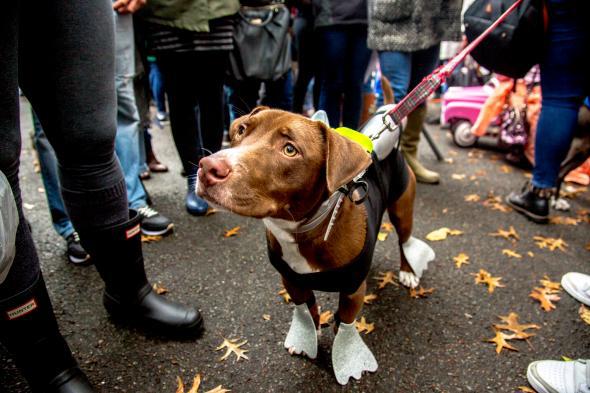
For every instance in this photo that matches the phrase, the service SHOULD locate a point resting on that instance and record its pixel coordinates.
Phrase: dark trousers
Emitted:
(194, 84)
(68, 74)
(306, 44)
(277, 94)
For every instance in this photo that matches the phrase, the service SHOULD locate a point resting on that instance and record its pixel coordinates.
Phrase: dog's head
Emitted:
(280, 165)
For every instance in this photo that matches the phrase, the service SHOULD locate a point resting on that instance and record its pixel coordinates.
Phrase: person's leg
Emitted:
(244, 96)
(157, 87)
(332, 47)
(397, 68)
(304, 41)
(356, 66)
(279, 93)
(564, 84)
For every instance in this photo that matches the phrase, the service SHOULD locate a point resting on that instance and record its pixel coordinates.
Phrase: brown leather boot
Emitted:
(410, 138)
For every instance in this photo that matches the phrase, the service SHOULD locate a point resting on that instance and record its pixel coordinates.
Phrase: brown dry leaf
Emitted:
(457, 176)
(530, 254)
(232, 232)
(180, 387)
(363, 326)
(484, 277)
(386, 278)
(587, 246)
(505, 169)
(266, 317)
(369, 298)
(584, 313)
(501, 343)
(442, 233)
(326, 317)
(509, 234)
(160, 289)
(382, 236)
(210, 211)
(218, 389)
(150, 238)
(563, 220)
(551, 286)
(511, 253)
(420, 293)
(471, 198)
(545, 298)
(511, 324)
(526, 389)
(501, 207)
(232, 346)
(196, 384)
(387, 227)
(461, 259)
(551, 243)
(285, 295)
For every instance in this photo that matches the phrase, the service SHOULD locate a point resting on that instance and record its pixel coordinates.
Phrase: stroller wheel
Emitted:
(462, 135)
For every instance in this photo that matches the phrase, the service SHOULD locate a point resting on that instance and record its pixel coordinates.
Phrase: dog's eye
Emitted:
(289, 150)
(242, 129)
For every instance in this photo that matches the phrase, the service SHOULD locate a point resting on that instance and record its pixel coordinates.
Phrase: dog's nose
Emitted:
(214, 170)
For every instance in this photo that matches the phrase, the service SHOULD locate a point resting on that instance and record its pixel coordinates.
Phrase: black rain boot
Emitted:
(29, 331)
(117, 255)
(533, 202)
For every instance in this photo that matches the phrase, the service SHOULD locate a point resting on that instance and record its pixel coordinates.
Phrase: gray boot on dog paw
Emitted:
(302, 337)
(418, 254)
(350, 355)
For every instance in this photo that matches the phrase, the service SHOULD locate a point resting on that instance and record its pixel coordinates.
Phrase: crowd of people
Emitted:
(90, 71)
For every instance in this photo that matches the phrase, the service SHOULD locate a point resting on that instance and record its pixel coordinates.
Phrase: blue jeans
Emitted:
(50, 176)
(405, 70)
(157, 86)
(127, 140)
(344, 56)
(564, 84)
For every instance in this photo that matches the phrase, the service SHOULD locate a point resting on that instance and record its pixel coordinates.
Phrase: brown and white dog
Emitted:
(293, 172)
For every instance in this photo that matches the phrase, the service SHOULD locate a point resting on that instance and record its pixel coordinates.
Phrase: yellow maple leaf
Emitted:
(160, 289)
(550, 286)
(363, 326)
(509, 234)
(501, 342)
(544, 298)
(369, 298)
(420, 292)
(551, 243)
(511, 253)
(326, 317)
(232, 232)
(232, 346)
(285, 295)
(442, 233)
(472, 198)
(150, 238)
(387, 227)
(382, 236)
(461, 259)
(584, 314)
(386, 278)
(484, 277)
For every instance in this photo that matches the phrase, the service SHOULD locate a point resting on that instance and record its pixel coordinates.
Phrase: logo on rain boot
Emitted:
(132, 232)
(21, 311)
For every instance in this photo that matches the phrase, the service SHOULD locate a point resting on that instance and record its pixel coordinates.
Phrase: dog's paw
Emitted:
(418, 254)
(302, 337)
(408, 279)
(350, 355)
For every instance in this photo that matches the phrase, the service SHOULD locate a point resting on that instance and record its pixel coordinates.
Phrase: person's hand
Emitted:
(128, 6)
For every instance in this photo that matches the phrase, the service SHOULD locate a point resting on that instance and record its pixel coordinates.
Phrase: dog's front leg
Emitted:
(302, 337)
(350, 355)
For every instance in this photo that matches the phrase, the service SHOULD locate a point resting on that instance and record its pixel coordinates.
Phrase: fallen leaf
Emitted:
(196, 384)
(501, 207)
(386, 278)
(218, 389)
(587, 247)
(150, 238)
(551, 243)
(210, 211)
(232, 232)
(326, 317)
(472, 198)
(387, 227)
(530, 254)
(484, 277)
(551, 286)
(461, 259)
(449, 160)
(369, 298)
(505, 169)
(180, 387)
(363, 326)
(160, 289)
(584, 314)
(382, 236)
(420, 293)
(28, 206)
(501, 343)
(509, 234)
(526, 389)
(566, 359)
(458, 176)
(512, 325)
(285, 295)
(563, 220)
(232, 346)
(511, 253)
(481, 172)
(266, 317)
(546, 299)
(442, 233)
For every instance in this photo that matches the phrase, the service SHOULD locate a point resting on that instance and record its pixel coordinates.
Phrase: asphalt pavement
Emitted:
(435, 344)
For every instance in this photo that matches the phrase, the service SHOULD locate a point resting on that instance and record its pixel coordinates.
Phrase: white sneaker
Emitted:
(551, 376)
(578, 286)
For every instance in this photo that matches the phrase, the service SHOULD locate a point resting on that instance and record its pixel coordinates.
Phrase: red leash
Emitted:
(430, 83)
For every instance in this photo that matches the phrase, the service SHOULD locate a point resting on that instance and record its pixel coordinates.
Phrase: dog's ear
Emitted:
(258, 109)
(344, 159)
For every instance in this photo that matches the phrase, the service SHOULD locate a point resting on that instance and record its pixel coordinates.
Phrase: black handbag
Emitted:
(261, 43)
(516, 45)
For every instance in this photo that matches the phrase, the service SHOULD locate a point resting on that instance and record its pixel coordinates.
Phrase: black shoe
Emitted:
(153, 223)
(195, 205)
(128, 296)
(76, 253)
(29, 331)
(533, 202)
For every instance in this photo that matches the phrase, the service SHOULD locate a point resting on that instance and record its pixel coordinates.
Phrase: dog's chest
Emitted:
(282, 230)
